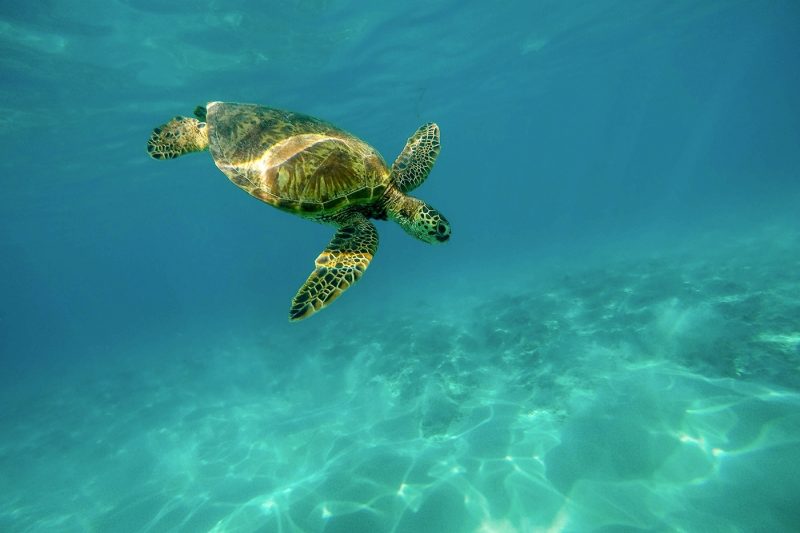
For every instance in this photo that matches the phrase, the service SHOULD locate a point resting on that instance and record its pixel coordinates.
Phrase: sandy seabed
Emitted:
(653, 393)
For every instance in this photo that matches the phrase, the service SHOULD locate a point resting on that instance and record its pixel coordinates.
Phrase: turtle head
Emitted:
(419, 219)
(177, 137)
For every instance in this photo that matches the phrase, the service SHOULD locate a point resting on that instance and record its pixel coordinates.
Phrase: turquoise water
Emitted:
(609, 342)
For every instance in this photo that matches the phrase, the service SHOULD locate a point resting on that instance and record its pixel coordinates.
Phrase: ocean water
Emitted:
(610, 342)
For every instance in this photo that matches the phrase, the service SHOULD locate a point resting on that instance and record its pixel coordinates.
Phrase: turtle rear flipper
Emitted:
(338, 267)
(416, 160)
(177, 137)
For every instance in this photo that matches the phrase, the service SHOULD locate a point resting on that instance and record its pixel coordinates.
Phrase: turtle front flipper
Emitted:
(338, 267)
(416, 160)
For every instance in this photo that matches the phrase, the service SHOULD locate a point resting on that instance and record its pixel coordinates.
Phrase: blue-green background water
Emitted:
(610, 341)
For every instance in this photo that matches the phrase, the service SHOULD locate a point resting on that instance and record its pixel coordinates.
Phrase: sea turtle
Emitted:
(312, 169)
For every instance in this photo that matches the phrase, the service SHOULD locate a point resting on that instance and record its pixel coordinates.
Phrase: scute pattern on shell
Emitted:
(293, 161)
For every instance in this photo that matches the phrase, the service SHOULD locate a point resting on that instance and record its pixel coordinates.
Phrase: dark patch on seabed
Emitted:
(655, 393)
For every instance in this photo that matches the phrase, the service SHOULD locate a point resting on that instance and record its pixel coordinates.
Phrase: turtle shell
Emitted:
(293, 161)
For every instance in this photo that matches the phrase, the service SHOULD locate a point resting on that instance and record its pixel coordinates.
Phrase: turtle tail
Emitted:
(177, 137)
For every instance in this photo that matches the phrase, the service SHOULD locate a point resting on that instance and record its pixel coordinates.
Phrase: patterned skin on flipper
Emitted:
(294, 162)
(177, 137)
(416, 160)
(338, 267)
